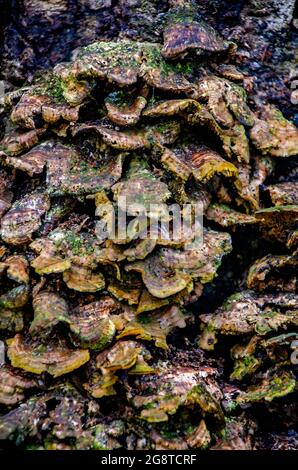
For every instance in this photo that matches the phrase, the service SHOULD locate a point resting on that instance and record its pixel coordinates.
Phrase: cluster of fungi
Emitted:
(91, 326)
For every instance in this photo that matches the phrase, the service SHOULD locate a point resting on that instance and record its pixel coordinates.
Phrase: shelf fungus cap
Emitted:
(24, 218)
(184, 33)
(91, 325)
(39, 358)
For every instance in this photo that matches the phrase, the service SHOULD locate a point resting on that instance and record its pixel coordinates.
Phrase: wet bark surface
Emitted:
(38, 34)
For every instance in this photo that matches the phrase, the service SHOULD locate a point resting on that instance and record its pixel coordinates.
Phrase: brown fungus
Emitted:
(157, 119)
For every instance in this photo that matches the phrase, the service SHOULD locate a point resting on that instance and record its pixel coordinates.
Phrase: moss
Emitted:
(154, 59)
(248, 360)
(150, 406)
(78, 244)
(74, 241)
(169, 434)
(144, 319)
(116, 54)
(233, 298)
(245, 366)
(183, 15)
(230, 407)
(50, 85)
(119, 98)
(40, 349)
(277, 386)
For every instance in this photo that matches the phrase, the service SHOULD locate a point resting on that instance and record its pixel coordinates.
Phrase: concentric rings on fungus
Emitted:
(91, 319)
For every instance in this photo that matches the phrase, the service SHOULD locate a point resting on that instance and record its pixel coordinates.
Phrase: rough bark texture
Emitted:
(198, 387)
(41, 33)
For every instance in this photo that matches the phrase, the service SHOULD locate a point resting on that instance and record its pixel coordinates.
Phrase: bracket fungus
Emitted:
(99, 311)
